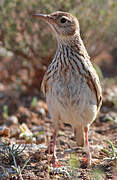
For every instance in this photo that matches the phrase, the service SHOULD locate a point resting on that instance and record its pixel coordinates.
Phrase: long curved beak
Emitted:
(46, 17)
(43, 16)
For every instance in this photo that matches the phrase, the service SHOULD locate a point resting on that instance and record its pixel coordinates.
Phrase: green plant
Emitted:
(97, 174)
(32, 46)
(26, 133)
(5, 112)
(18, 169)
(34, 102)
(112, 153)
(5, 173)
(9, 151)
(19, 23)
(74, 161)
(12, 153)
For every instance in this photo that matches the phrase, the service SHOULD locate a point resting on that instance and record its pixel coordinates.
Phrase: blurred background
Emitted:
(27, 45)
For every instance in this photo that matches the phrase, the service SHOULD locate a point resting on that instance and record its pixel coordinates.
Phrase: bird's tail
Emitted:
(79, 133)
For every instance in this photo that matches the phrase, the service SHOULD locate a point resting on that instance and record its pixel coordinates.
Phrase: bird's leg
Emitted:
(53, 149)
(87, 149)
(86, 136)
(54, 160)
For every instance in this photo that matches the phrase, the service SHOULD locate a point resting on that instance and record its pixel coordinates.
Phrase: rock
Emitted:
(4, 131)
(12, 120)
(106, 118)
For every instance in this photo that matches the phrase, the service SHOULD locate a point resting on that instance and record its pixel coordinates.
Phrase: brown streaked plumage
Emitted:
(71, 84)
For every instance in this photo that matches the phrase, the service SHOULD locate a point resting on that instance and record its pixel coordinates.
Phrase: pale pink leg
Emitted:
(87, 149)
(86, 136)
(54, 160)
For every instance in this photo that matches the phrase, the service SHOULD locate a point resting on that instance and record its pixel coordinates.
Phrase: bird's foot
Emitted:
(86, 160)
(55, 162)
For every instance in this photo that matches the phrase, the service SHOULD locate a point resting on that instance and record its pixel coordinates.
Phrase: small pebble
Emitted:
(4, 131)
(60, 170)
(106, 118)
(12, 120)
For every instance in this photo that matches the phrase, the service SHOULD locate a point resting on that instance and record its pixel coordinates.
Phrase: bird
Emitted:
(71, 85)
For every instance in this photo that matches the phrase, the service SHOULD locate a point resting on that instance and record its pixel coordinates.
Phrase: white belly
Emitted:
(72, 102)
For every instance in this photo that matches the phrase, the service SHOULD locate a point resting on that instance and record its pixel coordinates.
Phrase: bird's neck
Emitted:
(75, 43)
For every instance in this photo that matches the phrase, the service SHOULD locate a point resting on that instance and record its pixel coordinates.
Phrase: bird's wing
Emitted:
(44, 84)
(94, 83)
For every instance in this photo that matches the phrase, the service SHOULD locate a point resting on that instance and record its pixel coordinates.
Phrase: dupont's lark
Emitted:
(71, 84)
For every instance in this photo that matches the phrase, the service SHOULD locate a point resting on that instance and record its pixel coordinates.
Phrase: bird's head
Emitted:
(63, 24)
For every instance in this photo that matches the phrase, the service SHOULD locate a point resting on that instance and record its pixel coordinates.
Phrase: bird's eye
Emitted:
(63, 20)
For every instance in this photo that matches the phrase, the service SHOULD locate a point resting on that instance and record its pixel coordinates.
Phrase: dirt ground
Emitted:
(25, 121)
